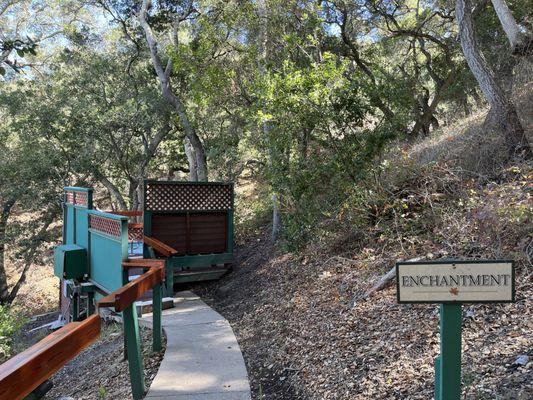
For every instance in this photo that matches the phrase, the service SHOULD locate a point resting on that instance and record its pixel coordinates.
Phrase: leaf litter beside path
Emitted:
(304, 337)
(100, 372)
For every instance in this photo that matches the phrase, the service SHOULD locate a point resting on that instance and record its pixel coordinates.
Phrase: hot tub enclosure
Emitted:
(190, 224)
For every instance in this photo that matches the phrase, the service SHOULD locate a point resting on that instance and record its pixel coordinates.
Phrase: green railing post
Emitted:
(449, 378)
(133, 344)
(157, 307)
(169, 277)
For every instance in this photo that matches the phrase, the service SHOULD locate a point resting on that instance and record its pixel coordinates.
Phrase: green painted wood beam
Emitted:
(450, 352)
(157, 309)
(133, 349)
(201, 260)
(199, 276)
(169, 278)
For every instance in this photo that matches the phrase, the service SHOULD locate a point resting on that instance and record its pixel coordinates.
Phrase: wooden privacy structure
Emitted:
(106, 241)
(190, 224)
(92, 264)
(104, 238)
(76, 203)
(25, 372)
(107, 249)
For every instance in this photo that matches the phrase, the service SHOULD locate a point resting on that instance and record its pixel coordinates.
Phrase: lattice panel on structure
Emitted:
(77, 198)
(135, 232)
(104, 225)
(188, 197)
(69, 197)
(80, 199)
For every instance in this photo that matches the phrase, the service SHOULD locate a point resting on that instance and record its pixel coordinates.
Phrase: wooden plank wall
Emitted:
(192, 233)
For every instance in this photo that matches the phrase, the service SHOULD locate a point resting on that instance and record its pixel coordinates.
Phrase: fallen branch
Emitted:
(385, 280)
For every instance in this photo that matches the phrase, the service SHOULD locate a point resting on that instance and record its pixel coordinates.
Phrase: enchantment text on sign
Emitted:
(455, 281)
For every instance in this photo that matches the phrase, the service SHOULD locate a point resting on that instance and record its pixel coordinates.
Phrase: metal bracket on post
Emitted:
(73, 292)
(133, 347)
(75, 307)
(90, 303)
(89, 289)
(448, 364)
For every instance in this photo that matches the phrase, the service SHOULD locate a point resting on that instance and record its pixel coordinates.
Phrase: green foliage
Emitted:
(21, 47)
(302, 98)
(110, 329)
(10, 324)
(101, 392)
(319, 139)
(31, 174)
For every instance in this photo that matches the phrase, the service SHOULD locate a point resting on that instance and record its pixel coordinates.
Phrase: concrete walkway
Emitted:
(203, 360)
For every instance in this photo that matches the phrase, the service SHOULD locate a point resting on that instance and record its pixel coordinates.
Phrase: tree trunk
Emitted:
(276, 223)
(272, 160)
(30, 256)
(136, 192)
(191, 158)
(113, 190)
(266, 126)
(463, 103)
(502, 110)
(172, 98)
(138, 195)
(4, 216)
(385, 280)
(199, 166)
(520, 40)
(132, 194)
(427, 117)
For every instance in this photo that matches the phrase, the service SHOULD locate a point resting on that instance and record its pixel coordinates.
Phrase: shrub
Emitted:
(9, 326)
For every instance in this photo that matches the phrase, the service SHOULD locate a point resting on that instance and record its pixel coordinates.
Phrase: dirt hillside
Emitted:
(305, 326)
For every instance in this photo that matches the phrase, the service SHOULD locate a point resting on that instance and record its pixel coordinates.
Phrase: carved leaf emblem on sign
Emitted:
(454, 291)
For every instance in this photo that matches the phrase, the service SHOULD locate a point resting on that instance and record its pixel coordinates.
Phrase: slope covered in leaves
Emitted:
(306, 335)
(305, 326)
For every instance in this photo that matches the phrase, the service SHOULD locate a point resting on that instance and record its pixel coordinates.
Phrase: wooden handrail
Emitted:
(143, 263)
(128, 294)
(22, 374)
(160, 247)
(136, 225)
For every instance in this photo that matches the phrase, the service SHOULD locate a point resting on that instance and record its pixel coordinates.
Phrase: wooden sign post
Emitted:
(453, 283)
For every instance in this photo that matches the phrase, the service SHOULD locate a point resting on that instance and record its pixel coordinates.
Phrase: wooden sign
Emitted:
(455, 282)
(452, 283)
